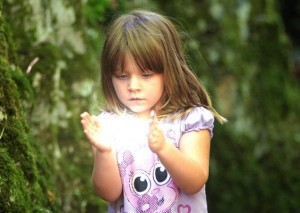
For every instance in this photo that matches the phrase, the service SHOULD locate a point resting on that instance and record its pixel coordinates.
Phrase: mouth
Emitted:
(136, 99)
(161, 201)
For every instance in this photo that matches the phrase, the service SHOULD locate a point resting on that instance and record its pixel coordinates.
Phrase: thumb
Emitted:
(152, 117)
(96, 121)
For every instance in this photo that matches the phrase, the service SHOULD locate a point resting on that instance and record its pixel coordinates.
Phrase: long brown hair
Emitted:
(153, 41)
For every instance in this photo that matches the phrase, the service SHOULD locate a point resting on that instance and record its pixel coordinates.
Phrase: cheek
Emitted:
(160, 88)
(115, 85)
(155, 92)
(161, 92)
(118, 88)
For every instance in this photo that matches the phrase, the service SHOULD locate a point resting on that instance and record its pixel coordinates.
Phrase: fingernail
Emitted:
(152, 114)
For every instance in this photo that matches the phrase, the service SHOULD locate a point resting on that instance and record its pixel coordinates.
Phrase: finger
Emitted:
(85, 124)
(84, 114)
(84, 121)
(152, 114)
(153, 118)
(96, 121)
(88, 121)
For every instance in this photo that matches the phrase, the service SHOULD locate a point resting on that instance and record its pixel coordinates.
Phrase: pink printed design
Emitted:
(147, 204)
(127, 160)
(122, 209)
(183, 209)
(147, 186)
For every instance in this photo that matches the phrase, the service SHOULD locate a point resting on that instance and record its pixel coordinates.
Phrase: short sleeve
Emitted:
(198, 119)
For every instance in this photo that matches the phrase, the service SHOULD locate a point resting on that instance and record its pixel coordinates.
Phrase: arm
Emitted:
(106, 178)
(188, 165)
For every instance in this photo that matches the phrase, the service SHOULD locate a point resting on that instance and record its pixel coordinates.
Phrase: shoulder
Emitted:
(199, 114)
(197, 119)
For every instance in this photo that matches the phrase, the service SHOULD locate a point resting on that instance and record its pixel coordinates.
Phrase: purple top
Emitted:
(147, 186)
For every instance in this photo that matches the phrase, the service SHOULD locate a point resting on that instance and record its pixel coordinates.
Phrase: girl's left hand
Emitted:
(156, 138)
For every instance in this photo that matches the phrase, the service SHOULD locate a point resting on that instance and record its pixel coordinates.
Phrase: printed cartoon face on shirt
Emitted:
(147, 184)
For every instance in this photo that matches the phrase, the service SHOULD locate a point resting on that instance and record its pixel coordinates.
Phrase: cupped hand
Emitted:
(92, 129)
(156, 138)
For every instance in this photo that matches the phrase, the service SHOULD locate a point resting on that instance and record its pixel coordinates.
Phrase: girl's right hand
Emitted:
(156, 138)
(92, 130)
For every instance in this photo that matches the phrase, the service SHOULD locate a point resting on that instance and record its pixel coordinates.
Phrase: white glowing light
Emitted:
(124, 130)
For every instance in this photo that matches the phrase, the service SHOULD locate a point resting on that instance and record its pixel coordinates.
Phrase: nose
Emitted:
(133, 84)
(155, 191)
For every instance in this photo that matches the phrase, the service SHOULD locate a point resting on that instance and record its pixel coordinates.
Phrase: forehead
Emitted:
(129, 64)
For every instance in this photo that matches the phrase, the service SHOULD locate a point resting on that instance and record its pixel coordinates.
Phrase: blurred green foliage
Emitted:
(240, 51)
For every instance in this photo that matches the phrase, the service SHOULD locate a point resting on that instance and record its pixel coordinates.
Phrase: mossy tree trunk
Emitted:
(49, 60)
(25, 179)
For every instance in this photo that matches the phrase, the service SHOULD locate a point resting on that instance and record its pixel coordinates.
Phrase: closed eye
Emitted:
(121, 75)
(147, 74)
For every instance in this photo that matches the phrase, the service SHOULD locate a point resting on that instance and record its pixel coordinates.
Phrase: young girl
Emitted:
(151, 143)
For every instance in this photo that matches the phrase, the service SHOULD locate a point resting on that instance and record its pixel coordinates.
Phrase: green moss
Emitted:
(25, 182)
(24, 87)
(14, 196)
(25, 178)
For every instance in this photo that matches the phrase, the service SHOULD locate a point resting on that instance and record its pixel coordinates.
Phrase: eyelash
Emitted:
(121, 76)
(124, 76)
(147, 75)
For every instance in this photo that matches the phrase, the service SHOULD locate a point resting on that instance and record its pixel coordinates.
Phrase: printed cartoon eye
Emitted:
(161, 175)
(141, 183)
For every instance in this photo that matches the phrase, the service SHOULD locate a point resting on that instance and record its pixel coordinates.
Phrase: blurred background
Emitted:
(246, 52)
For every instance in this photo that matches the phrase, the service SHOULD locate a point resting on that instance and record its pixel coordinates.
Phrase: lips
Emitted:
(136, 99)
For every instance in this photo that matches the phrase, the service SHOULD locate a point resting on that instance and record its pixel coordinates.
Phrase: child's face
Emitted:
(139, 91)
